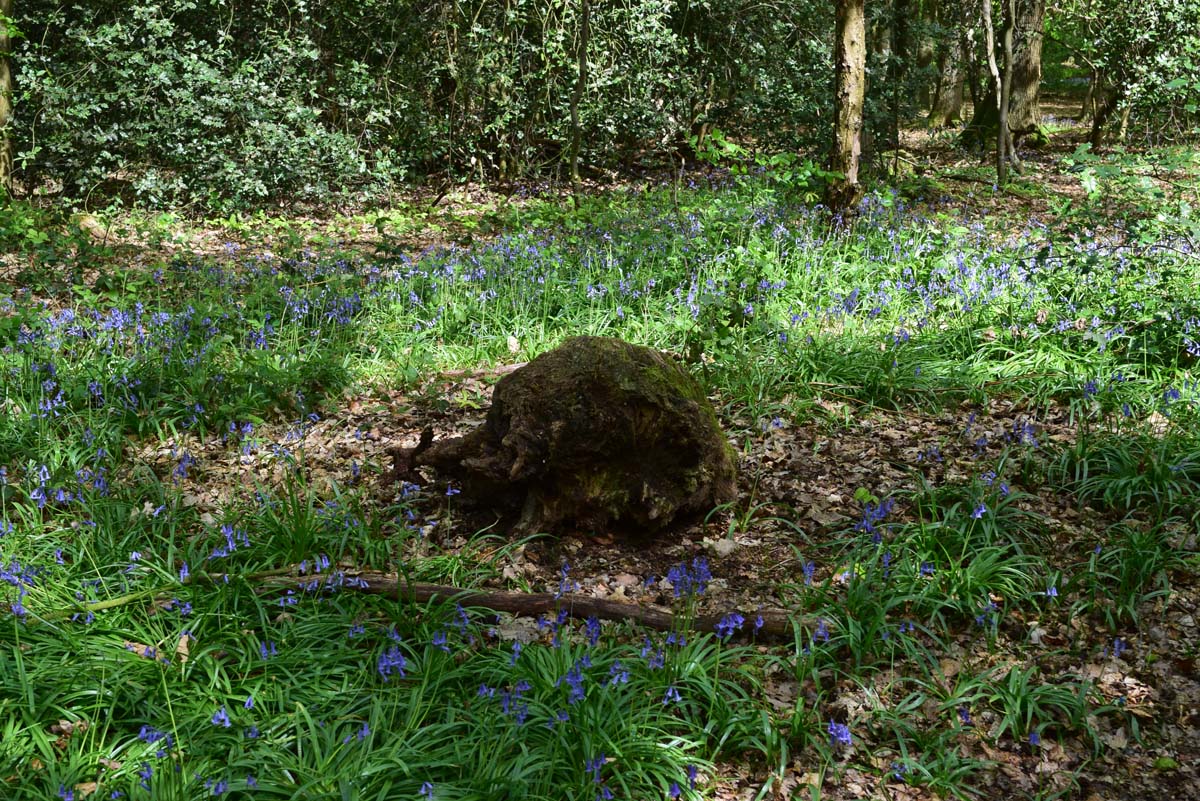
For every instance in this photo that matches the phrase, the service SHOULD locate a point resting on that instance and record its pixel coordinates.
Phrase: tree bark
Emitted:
(1023, 109)
(946, 108)
(1027, 18)
(901, 48)
(850, 60)
(1106, 104)
(6, 95)
(1005, 128)
(576, 97)
(995, 95)
(1087, 109)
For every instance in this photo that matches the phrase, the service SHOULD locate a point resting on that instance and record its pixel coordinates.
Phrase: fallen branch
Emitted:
(776, 624)
(484, 372)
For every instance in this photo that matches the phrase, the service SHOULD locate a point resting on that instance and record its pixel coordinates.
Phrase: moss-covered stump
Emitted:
(595, 433)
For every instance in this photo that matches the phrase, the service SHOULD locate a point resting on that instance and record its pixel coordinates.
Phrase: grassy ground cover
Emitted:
(997, 590)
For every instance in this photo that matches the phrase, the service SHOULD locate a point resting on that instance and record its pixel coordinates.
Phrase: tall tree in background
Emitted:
(576, 96)
(849, 61)
(1024, 20)
(997, 95)
(6, 95)
(945, 107)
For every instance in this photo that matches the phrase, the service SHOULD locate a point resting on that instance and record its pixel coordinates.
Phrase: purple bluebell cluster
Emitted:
(874, 514)
(689, 581)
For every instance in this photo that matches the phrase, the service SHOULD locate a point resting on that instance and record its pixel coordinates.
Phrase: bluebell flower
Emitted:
(729, 624)
(592, 629)
(594, 766)
(391, 661)
(839, 734)
(574, 680)
(220, 718)
(565, 584)
(1119, 647)
(672, 694)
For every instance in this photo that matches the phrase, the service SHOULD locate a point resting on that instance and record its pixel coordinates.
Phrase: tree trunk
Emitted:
(1009, 149)
(850, 61)
(1088, 109)
(898, 73)
(6, 95)
(996, 106)
(1024, 110)
(946, 108)
(976, 80)
(1106, 103)
(576, 97)
(927, 52)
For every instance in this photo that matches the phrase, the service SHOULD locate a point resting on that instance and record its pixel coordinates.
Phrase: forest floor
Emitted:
(797, 496)
(809, 459)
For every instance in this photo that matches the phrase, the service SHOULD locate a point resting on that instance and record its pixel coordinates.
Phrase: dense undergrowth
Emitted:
(140, 657)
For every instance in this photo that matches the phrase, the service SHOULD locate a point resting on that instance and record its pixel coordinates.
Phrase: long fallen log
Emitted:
(771, 624)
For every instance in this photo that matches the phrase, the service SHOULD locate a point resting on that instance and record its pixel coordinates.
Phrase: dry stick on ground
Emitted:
(776, 624)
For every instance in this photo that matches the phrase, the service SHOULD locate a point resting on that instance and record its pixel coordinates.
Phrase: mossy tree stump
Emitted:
(596, 433)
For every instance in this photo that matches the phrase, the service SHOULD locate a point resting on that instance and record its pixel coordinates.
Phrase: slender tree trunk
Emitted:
(6, 95)
(1088, 109)
(898, 72)
(995, 95)
(1123, 130)
(1023, 111)
(850, 62)
(1106, 103)
(576, 97)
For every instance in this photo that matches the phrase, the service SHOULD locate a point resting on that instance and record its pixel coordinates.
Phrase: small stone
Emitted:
(722, 547)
